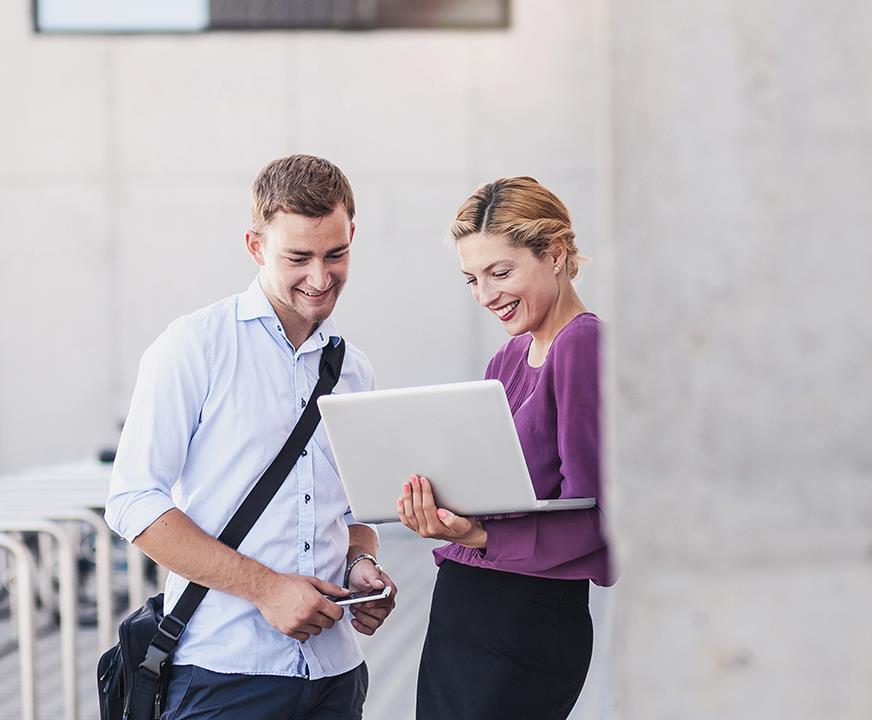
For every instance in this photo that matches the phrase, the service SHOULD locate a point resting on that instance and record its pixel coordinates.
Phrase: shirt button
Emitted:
(306, 546)
(305, 452)
(302, 403)
(308, 497)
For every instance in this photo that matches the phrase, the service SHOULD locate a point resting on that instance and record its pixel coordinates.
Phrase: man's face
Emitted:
(303, 266)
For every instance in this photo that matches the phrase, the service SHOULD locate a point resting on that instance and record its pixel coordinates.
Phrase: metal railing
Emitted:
(52, 502)
(25, 612)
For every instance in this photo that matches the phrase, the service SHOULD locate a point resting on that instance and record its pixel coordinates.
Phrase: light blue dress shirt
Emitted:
(216, 397)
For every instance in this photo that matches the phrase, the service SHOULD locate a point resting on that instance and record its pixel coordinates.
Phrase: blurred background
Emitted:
(716, 157)
(127, 161)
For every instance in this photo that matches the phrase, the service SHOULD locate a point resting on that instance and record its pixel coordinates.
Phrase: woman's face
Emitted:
(509, 281)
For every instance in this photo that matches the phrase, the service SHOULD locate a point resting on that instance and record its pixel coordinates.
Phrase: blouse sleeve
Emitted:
(539, 542)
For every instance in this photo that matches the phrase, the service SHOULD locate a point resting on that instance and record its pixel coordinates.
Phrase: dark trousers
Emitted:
(197, 693)
(501, 646)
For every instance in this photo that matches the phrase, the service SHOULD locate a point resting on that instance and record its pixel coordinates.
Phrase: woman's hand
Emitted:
(417, 511)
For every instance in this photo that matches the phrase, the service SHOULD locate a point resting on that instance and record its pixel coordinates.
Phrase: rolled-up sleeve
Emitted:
(171, 387)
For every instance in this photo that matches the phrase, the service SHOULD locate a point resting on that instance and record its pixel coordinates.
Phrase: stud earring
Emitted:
(556, 268)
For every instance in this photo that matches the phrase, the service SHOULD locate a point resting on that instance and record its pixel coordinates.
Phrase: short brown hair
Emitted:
(300, 184)
(525, 212)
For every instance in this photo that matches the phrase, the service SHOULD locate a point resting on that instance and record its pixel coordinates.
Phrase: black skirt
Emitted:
(501, 646)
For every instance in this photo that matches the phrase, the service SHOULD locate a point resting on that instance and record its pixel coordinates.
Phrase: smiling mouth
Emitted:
(503, 312)
(313, 294)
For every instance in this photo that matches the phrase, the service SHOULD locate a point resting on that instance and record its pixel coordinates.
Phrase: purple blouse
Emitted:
(556, 408)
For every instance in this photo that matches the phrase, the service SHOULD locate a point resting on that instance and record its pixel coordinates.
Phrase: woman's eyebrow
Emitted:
(489, 267)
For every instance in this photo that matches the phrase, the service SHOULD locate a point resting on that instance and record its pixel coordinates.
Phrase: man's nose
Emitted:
(318, 276)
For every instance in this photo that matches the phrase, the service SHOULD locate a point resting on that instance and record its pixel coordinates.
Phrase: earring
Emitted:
(556, 268)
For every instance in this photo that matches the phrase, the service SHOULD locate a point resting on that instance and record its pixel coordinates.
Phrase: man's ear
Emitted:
(254, 243)
(351, 233)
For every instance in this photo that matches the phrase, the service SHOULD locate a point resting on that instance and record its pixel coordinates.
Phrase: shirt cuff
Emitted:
(131, 513)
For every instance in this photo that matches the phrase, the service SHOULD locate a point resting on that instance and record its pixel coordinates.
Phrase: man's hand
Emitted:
(295, 604)
(369, 616)
(417, 511)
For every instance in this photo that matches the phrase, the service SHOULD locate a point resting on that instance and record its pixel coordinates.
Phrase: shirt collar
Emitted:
(324, 333)
(254, 304)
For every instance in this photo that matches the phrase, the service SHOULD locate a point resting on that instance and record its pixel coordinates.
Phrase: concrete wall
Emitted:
(125, 164)
(742, 214)
(725, 146)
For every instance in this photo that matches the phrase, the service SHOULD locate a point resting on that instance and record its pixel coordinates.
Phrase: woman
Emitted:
(510, 634)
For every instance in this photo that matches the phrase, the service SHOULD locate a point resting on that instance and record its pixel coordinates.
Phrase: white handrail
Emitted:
(25, 612)
(29, 507)
(83, 487)
(67, 593)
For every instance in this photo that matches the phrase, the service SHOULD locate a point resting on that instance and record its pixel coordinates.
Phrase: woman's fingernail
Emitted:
(442, 513)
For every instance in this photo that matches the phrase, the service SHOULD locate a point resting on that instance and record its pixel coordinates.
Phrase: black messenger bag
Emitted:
(132, 677)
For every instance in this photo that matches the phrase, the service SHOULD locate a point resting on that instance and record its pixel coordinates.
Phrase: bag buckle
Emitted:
(154, 660)
(173, 633)
(171, 628)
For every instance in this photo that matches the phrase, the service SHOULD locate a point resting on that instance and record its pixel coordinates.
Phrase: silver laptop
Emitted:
(460, 436)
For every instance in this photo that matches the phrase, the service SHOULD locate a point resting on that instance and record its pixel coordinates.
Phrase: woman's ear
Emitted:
(558, 257)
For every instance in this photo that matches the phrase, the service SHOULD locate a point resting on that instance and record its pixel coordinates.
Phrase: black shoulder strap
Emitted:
(172, 626)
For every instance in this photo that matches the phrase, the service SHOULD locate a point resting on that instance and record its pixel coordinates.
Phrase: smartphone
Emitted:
(360, 597)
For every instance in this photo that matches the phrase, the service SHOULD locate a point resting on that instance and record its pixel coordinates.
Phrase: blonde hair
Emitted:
(525, 212)
(300, 184)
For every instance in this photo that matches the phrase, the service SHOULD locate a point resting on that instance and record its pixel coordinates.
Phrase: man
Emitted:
(216, 397)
